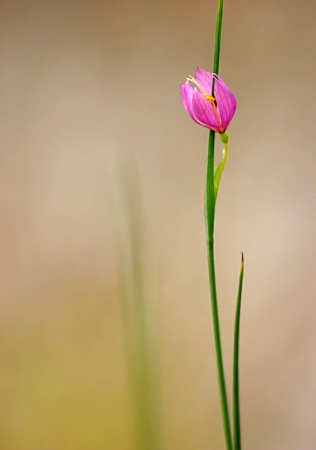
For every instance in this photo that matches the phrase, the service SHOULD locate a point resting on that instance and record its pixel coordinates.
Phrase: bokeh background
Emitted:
(85, 83)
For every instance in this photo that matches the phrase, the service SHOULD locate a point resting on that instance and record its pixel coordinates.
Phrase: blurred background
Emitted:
(85, 83)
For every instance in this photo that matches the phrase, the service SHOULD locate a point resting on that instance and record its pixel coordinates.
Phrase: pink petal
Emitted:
(186, 92)
(226, 102)
(205, 79)
(203, 111)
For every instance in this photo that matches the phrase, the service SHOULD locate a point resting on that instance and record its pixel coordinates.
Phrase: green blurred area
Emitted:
(63, 375)
(82, 81)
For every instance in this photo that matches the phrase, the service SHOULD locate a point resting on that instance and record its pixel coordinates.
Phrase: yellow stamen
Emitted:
(209, 97)
(213, 103)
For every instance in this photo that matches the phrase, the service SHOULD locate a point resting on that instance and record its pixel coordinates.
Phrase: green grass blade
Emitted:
(140, 343)
(236, 406)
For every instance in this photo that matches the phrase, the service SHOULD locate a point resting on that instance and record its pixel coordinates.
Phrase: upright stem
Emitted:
(218, 32)
(209, 220)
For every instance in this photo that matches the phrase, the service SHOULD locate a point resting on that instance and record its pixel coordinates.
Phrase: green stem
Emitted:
(221, 166)
(210, 199)
(236, 408)
(217, 46)
(209, 219)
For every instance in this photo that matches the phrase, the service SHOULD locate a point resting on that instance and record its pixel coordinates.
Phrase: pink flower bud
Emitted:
(213, 112)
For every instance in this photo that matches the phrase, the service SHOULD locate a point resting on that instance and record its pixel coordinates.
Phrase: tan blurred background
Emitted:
(84, 81)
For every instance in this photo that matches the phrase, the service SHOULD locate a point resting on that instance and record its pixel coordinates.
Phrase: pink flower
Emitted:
(213, 112)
